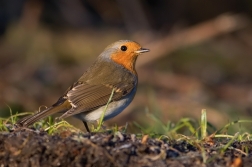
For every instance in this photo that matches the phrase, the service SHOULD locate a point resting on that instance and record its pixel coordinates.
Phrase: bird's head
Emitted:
(124, 52)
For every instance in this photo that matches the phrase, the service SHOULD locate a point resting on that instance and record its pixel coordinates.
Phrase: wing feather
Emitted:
(86, 97)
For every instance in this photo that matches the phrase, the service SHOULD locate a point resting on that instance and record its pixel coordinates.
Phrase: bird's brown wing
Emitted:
(86, 97)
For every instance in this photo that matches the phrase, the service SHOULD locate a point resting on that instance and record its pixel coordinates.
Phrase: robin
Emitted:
(112, 72)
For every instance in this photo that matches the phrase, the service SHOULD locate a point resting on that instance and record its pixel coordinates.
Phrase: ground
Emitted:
(27, 147)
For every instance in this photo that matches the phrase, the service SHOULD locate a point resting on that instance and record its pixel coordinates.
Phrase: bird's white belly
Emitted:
(113, 109)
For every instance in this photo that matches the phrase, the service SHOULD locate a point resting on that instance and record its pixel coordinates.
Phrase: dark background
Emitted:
(200, 54)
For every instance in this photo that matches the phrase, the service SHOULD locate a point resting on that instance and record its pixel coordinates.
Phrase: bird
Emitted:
(112, 73)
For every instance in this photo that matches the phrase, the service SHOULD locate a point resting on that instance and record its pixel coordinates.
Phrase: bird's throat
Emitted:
(127, 62)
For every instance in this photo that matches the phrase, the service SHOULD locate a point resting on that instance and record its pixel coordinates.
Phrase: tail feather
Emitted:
(29, 120)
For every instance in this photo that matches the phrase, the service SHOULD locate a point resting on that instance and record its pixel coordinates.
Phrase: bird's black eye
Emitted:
(123, 48)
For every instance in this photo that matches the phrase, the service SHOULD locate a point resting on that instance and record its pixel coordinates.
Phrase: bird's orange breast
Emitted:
(126, 60)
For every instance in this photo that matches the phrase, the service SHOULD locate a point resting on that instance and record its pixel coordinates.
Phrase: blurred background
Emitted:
(200, 55)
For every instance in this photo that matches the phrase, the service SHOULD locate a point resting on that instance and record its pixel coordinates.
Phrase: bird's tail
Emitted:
(31, 119)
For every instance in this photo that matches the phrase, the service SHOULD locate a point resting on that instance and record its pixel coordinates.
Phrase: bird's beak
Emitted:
(142, 50)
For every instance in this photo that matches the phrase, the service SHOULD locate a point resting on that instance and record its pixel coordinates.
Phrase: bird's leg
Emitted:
(86, 126)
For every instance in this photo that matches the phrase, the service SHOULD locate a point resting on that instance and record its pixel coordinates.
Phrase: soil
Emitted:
(26, 147)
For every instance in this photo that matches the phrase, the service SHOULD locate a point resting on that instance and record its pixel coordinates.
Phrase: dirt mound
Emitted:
(35, 148)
